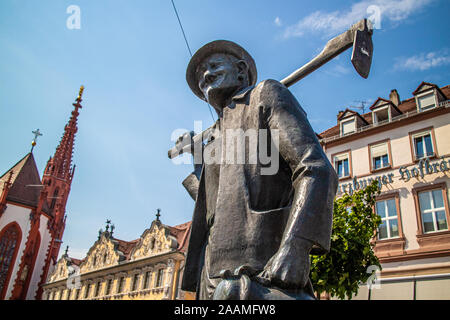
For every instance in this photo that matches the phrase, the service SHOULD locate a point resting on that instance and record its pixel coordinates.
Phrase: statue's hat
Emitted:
(218, 46)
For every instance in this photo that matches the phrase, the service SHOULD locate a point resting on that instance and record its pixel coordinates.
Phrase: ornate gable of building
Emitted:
(104, 253)
(63, 268)
(154, 241)
(60, 271)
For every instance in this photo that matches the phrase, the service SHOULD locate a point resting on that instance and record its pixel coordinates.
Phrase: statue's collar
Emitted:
(242, 93)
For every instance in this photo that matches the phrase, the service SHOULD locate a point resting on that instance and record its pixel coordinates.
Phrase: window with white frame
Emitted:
(423, 145)
(387, 210)
(381, 115)
(342, 165)
(348, 126)
(432, 211)
(379, 155)
(426, 101)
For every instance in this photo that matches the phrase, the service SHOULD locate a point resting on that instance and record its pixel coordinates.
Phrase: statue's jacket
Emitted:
(256, 213)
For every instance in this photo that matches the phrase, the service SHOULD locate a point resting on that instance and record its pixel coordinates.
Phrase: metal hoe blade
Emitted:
(362, 51)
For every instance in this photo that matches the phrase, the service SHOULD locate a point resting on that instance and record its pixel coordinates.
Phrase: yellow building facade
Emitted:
(148, 268)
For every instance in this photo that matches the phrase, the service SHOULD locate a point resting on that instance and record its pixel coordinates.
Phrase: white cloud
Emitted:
(329, 23)
(278, 22)
(423, 61)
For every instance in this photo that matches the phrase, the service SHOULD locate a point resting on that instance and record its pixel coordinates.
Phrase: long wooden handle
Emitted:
(333, 48)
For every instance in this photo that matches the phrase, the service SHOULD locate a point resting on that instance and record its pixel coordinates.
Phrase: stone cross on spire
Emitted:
(37, 134)
(158, 214)
(78, 100)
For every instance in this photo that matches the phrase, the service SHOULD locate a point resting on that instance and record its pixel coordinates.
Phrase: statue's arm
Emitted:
(192, 181)
(313, 178)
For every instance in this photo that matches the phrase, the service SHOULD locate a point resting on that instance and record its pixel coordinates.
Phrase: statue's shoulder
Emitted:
(270, 87)
(269, 91)
(273, 94)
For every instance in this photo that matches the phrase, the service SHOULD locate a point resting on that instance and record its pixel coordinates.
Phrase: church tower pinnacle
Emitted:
(58, 173)
(57, 179)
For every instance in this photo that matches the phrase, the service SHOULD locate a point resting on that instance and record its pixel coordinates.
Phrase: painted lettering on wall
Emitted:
(423, 168)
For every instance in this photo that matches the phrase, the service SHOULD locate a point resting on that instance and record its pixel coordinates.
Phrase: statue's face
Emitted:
(220, 76)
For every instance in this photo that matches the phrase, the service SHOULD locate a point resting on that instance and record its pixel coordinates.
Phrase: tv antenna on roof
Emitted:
(361, 107)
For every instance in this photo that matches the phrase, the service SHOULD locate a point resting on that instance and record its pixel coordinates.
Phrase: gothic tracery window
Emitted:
(9, 243)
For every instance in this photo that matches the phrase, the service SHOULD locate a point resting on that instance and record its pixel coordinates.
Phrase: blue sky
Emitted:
(131, 57)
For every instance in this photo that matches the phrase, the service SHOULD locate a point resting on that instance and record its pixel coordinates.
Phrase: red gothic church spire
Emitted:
(60, 166)
(57, 178)
(58, 173)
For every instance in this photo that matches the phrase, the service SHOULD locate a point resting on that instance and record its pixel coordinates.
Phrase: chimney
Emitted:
(394, 97)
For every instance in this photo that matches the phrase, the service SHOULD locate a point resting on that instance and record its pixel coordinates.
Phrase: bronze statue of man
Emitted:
(264, 226)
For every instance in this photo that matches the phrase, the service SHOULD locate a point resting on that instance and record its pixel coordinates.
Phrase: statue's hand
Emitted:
(184, 140)
(289, 267)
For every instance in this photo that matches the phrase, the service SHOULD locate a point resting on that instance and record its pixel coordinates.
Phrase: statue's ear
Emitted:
(242, 67)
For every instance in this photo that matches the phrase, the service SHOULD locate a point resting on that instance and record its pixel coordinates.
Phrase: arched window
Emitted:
(10, 238)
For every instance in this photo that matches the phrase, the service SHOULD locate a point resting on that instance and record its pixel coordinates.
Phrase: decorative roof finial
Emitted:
(108, 222)
(80, 93)
(77, 103)
(100, 233)
(36, 133)
(158, 214)
(66, 252)
(112, 229)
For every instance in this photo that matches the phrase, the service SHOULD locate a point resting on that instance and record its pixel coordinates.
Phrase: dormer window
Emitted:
(381, 115)
(426, 101)
(348, 126)
(384, 110)
(428, 96)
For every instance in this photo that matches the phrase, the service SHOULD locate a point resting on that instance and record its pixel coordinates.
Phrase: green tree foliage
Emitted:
(344, 268)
